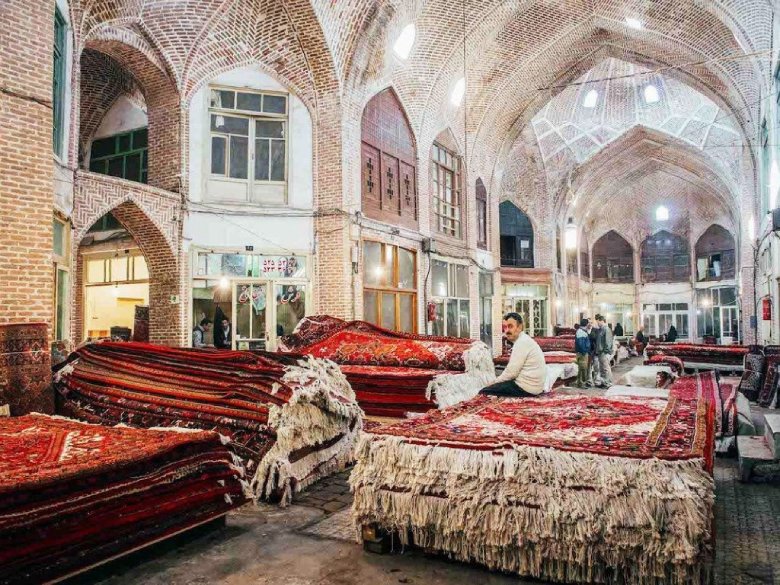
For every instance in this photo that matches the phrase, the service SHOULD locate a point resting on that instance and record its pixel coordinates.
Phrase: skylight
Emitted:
(591, 99)
(662, 213)
(651, 94)
(458, 91)
(634, 23)
(405, 41)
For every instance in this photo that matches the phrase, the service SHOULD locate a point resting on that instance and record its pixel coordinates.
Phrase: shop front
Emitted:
(532, 301)
(250, 298)
(717, 315)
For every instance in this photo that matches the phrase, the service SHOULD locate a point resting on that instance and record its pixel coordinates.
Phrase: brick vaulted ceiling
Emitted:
(519, 57)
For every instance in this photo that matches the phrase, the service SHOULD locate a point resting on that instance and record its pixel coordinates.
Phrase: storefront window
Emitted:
(616, 313)
(486, 308)
(389, 286)
(531, 301)
(717, 313)
(658, 319)
(451, 296)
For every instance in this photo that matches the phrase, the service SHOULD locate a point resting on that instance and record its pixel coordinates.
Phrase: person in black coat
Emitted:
(618, 330)
(223, 330)
(672, 335)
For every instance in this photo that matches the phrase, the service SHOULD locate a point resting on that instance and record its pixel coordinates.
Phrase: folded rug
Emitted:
(753, 377)
(726, 355)
(74, 494)
(561, 488)
(291, 419)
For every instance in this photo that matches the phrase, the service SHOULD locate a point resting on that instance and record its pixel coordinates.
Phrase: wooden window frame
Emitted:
(61, 263)
(440, 170)
(58, 81)
(123, 154)
(397, 292)
(482, 215)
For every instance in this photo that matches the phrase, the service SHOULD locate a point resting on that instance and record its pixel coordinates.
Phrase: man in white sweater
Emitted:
(526, 371)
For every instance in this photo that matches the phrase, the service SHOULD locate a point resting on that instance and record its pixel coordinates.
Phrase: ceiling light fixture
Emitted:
(651, 94)
(634, 23)
(458, 91)
(591, 99)
(405, 41)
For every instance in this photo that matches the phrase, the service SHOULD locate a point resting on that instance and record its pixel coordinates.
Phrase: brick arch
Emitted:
(165, 320)
(138, 60)
(714, 232)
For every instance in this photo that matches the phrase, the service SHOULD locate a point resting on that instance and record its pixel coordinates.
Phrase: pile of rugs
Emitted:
(562, 488)
(394, 373)
(291, 420)
(769, 382)
(701, 355)
(25, 369)
(73, 495)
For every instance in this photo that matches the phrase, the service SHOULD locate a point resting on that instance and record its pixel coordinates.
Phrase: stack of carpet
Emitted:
(561, 488)
(694, 354)
(291, 419)
(25, 368)
(73, 495)
(755, 371)
(394, 373)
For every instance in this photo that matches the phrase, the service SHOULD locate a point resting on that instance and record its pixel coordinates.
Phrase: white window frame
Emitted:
(272, 193)
(62, 263)
(442, 300)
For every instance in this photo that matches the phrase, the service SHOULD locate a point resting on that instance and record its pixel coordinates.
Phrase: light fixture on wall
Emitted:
(570, 235)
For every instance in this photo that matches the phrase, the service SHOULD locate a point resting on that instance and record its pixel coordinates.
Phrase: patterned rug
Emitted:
(675, 363)
(73, 494)
(726, 355)
(755, 370)
(290, 419)
(559, 488)
(25, 368)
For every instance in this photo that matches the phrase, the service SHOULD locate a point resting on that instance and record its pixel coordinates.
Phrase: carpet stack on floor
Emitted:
(560, 488)
(291, 419)
(675, 363)
(25, 368)
(767, 396)
(73, 495)
(693, 353)
(394, 373)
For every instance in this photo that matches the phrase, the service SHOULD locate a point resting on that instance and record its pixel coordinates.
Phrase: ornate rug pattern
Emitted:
(25, 368)
(726, 355)
(290, 419)
(73, 494)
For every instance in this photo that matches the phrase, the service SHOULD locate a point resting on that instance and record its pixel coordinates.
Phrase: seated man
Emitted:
(526, 371)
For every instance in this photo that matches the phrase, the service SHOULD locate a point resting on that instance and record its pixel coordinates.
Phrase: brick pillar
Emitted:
(26, 188)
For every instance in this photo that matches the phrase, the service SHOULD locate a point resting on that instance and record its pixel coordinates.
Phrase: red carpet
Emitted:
(73, 494)
(25, 368)
(290, 419)
(726, 355)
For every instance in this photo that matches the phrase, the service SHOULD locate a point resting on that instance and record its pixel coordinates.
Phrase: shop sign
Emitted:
(251, 265)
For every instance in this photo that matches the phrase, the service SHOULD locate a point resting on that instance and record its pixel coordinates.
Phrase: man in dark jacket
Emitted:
(604, 346)
(593, 363)
(582, 348)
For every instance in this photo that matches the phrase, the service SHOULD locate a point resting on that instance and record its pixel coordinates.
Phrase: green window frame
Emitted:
(124, 155)
(58, 85)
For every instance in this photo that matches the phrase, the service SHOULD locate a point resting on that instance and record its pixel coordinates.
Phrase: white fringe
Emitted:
(450, 389)
(541, 512)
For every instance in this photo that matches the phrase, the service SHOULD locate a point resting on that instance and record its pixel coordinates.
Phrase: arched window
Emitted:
(715, 256)
(517, 237)
(482, 219)
(388, 162)
(665, 258)
(613, 259)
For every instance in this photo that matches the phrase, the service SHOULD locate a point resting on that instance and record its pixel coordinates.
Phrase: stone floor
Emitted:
(313, 543)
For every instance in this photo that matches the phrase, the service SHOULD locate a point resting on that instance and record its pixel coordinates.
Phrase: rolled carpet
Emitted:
(291, 419)
(561, 488)
(73, 494)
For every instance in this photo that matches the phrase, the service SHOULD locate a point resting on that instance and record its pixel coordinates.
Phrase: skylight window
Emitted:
(651, 94)
(591, 99)
(458, 91)
(662, 213)
(634, 23)
(405, 41)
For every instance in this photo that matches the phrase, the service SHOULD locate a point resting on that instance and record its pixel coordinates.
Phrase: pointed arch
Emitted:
(715, 254)
(665, 257)
(613, 259)
(517, 236)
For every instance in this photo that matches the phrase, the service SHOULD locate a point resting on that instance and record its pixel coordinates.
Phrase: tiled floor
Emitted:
(313, 543)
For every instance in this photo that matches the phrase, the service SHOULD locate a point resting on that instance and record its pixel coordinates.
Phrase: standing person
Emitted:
(618, 330)
(525, 374)
(593, 362)
(223, 334)
(199, 333)
(604, 351)
(672, 335)
(582, 347)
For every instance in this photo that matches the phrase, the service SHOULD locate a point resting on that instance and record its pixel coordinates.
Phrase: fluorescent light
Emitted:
(458, 92)
(662, 213)
(634, 23)
(651, 94)
(591, 99)
(405, 41)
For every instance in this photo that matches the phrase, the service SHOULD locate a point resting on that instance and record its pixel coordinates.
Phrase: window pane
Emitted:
(464, 316)
(140, 138)
(452, 317)
(116, 166)
(119, 268)
(96, 271)
(728, 296)
(124, 142)
(369, 306)
(104, 147)
(388, 311)
(405, 269)
(269, 129)
(238, 157)
(249, 101)
(220, 98)
(275, 104)
(62, 296)
(141, 270)
(438, 323)
(98, 166)
(372, 263)
(407, 313)
(261, 159)
(439, 279)
(59, 243)
(133, 167)
(290, 307)
(230, 124)
(277, 160)
(461, 281)
(218, 155)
